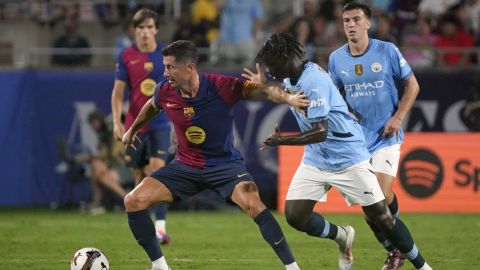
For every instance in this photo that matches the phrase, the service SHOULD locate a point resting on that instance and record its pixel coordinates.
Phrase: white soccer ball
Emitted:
(89, 258)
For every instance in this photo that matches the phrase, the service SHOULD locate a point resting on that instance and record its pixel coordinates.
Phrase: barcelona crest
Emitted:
(359, 69)
(188, 112)
(148, 66)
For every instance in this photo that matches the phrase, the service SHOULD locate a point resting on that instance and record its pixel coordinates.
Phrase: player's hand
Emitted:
(273, 140)
(299, 101)
(258, 77)
(118, 131)
(392, 127)
(129, 139)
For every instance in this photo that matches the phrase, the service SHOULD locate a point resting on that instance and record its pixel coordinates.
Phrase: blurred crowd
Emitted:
(430, 32)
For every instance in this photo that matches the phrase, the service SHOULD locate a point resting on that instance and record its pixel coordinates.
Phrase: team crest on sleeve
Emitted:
(148, 87)
(188, 112)
(359, 69)
(195, 135)
(376, 67)
(148, 66)
(403, 62)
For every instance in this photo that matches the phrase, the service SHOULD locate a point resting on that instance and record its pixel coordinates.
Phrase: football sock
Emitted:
(319, 227)
(161, 226)
(380, 235)
(143, 230)
(402, 239)
(292, 266)
(393, 206)
(161, 211)
(272, 233)
(160, 264)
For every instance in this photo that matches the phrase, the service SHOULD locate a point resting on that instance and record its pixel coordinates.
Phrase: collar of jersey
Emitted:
(366, 50)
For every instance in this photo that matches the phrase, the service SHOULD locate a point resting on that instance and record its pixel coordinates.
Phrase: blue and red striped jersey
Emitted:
(204, 124)
(141, 72)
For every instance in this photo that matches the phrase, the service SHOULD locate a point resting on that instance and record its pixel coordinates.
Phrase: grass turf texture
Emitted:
(43, 239)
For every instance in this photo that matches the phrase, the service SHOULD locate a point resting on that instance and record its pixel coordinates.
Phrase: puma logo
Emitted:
(368, 192)
(388, 162)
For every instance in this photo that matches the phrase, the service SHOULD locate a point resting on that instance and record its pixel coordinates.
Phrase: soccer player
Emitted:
(200, 108)
(139, 68)
(335, 154)
(366, 70)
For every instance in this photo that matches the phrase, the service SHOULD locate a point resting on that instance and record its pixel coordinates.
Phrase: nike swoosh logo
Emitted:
(133, 62)
(171, 105)
(279, 241)
(241, 175)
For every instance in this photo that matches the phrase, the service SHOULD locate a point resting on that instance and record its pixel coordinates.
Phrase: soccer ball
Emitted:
(89, 258)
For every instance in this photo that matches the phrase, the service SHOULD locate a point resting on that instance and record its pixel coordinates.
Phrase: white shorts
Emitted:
(357, 184)
(385, 160)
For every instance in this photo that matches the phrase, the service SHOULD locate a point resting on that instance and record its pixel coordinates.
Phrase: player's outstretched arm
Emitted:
(274, 91)
(148, 111)
(318, 133)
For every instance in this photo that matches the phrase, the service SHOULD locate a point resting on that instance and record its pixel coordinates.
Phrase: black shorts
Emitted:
(185, 181)
(153, 143)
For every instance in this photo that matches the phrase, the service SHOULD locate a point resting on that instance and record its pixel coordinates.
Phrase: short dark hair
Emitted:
(355, 5)
(281, 47)
(142, 14)
(184, 51)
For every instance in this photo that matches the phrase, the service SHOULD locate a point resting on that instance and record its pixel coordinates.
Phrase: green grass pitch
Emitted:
(45, 240)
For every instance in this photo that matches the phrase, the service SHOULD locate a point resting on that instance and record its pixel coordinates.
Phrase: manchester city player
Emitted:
(140, 68)
(335, 154)
(366, 70)
(200, 107)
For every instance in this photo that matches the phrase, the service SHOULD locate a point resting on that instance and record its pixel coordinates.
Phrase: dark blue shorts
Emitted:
(154, 143)
(185, 181)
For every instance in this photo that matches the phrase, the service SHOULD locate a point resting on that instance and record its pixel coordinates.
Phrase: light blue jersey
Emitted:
(345, 144)
(369, 84)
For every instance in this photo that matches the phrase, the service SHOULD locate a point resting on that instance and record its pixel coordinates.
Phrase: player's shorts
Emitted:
(185, 181)
(357, 184)
(385, 160)
(153, 143)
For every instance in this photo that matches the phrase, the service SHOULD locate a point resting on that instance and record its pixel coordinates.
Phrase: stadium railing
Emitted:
(104, 58)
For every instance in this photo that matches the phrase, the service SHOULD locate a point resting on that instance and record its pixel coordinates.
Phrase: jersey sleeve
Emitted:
(120, 69)
(232, 89)
(319, 94)
(401, 70)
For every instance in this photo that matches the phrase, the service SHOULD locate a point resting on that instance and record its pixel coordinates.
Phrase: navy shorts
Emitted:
(153, 143)
(185, 181)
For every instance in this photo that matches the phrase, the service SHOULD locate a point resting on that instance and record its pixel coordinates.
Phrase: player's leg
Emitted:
(385, 164)
(157, 150)
(377, 212)
(309, 185)
(396, 232)
(245, 194)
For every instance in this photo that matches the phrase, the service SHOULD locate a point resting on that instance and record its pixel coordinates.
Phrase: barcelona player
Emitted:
(200, 106)
(366, 71)
(140, 68)
(335, 154)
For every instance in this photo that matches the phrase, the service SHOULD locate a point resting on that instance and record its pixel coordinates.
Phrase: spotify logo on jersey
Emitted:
(421, 173)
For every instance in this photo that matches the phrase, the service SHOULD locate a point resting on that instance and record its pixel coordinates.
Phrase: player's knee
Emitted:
(134, 203)
(380, 215)
(254, 206)
(296, 220)
(383, 221)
